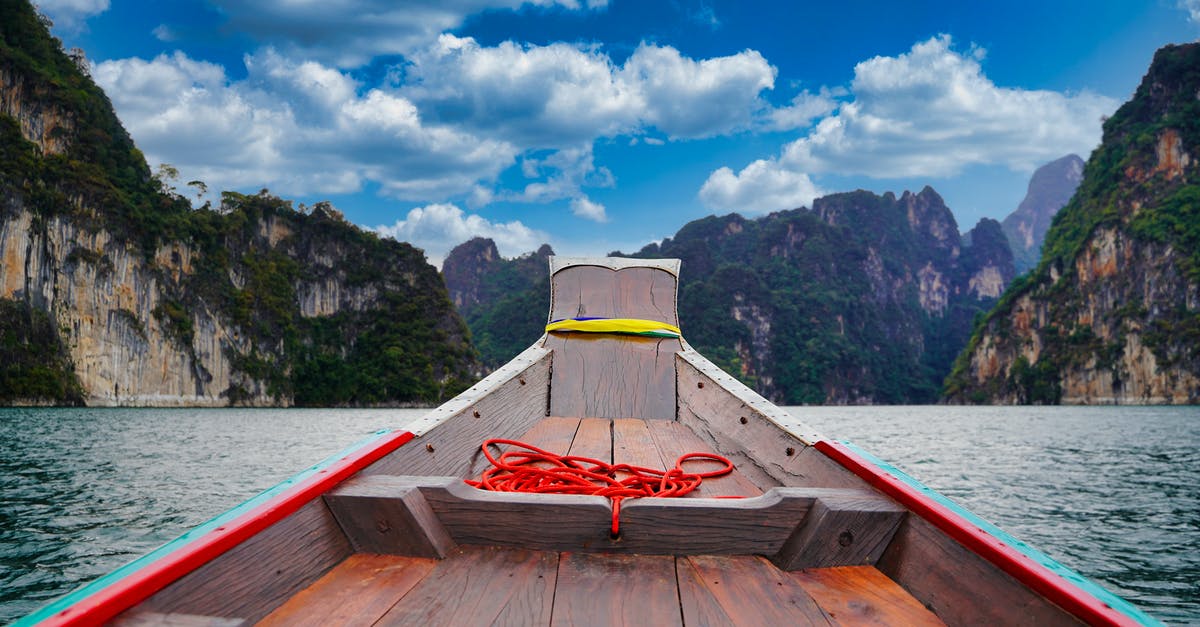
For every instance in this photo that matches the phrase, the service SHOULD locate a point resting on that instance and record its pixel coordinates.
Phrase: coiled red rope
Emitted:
(517, 470)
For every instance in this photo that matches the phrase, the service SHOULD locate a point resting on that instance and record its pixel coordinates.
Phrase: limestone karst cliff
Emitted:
(1112, 312)
(156, 303)
(862, 299)
(1050, 187)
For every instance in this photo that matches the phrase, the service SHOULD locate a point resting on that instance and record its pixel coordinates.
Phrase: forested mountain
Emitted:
(862, 299)
(113, 290)
(1051, 186)
(1112, 312)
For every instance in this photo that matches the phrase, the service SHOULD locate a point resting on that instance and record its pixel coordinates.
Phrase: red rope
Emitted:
(516, 470)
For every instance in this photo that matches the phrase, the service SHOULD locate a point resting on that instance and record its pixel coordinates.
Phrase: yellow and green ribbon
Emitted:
(627, 326)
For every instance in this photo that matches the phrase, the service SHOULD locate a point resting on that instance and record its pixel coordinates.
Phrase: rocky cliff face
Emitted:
(1112, 312)
(863, 299)
(154, 303)
(1051, 186)
(504, 301)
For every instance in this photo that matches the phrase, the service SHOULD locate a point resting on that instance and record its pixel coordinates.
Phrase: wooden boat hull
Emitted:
(824, 531)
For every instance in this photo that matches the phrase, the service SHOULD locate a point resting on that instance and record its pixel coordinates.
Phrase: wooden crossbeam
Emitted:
(796, 527)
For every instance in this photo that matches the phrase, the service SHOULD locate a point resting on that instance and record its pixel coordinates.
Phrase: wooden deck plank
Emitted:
(357, 592)
(607, 589)
(553, 434)
(633, 445)
(593, 439)
(742, 590)
(674, 439)
(481, 586)
(861, 595)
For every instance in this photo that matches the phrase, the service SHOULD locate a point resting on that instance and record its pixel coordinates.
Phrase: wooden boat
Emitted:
(389, 532)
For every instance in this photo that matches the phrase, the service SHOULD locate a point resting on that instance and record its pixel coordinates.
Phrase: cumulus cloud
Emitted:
(1193, 9)
(437, 228)
(588, 209)
(932, 111)
(929, 112)
(762, 186)
(70, 14)
(349, 33)
(300, 127)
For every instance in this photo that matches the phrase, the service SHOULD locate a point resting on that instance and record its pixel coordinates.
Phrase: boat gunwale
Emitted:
(1059, 584)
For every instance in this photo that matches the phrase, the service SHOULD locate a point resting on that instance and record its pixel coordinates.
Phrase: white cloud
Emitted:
(762, 186)
(298, 128)
(1193, 9)
(932, 112)
(804, 108)
(588, 209)
(686, 98)
(929, 112)
(349, 33)
(438, 228)
(70, 14)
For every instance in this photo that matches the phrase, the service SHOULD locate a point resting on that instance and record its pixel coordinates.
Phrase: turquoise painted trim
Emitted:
(1085, 584)
(87, 589)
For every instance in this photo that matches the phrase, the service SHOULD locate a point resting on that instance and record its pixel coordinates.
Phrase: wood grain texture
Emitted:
(844, 529)
(481, 586)
(357, 592)
(139, 618)
(768, 447)
(258, 575)
(398, 522)
(935, 569)
(758, 525)
(861, 595)
(612, 376)
(594, 291)
(742, 590)
(674, 439)
(553, 434)
(632, 444)
(593, 439)
(450, 437)
(605, 589)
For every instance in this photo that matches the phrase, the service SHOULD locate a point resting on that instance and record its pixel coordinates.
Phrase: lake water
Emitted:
(1113, 493)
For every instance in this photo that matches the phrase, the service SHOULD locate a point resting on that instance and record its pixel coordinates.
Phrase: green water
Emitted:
(1112, 492)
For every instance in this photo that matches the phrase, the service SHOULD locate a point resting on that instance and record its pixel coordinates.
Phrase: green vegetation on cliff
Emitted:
(311, 309)
(1140, 195)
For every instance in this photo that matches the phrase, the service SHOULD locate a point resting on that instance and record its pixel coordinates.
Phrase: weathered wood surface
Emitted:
(593, 440)
(482, 586)
(553, 434)
(598, 292)
(742, 590)
(765, 443)
(958, 585)
(138, 618)
(606, 589)
(252, 579)
(613, 376)
(357, 592)
(847, 529)
(504, 405)
(673, 440)
(861, 595)
(777, 523)
(382, 518)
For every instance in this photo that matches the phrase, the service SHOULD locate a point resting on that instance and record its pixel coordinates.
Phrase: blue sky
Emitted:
(599, 125)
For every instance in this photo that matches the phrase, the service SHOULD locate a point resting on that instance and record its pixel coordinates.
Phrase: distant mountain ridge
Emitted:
(862, 299)
(114, 291)
(1050, 188)
(1111, 314)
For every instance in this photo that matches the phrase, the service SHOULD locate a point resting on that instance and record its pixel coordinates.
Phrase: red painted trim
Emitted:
(107, 603)
(1049, 584)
